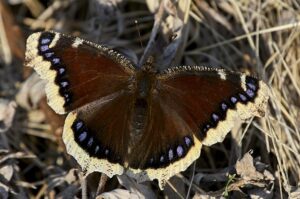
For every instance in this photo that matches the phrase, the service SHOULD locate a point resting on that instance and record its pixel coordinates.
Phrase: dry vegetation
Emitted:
(259, 159)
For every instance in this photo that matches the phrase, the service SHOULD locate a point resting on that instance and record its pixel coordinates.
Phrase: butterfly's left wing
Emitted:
(77, 71)
(92, 84)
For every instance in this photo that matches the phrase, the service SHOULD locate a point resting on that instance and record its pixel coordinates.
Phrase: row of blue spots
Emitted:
(171, 155)
(252, 87)
(243, 97)
(56, 64)
(85, 139)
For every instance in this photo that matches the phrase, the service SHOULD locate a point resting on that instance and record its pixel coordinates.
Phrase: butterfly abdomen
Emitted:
(139, 118)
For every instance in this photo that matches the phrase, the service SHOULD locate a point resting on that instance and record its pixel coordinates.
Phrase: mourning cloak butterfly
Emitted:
(147, 123)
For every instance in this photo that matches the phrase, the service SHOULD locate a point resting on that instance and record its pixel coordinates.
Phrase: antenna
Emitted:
(138, 30)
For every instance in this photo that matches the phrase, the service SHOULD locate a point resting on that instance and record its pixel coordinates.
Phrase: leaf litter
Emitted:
(257, 37)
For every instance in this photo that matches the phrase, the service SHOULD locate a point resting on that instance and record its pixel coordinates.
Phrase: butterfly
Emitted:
(145, 122)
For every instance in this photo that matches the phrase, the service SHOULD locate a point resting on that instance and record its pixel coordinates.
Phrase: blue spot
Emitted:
(64, 84)
(44, 48)
(82, 136)
(45, 41)
(151, 160)
(171, 154)
(251, 85)
(250, 93)
(179, 150)
(90, 142)
(79, 125)
(233, 100)
(97, 149)
(204, 129)
(224, 106)
(242, 97)
(55, 60)
(162, 159)
(207, 126)
(67, 97)
(187, 141)
(215, 117)
(106, 151)
(48, 55)
(61, 71)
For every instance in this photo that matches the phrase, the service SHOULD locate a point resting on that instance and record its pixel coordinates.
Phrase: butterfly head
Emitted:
(148, 66)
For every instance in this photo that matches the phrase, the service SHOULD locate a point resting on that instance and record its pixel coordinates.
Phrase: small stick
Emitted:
(138, 30)
(82, 177)
(192, 181)
(102, 182)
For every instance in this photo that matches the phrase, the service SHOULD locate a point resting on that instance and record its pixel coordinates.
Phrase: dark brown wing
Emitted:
(90, 83)
(192, 106)
(97, 134)
(78, 71)
(166, 142)
(214, 99)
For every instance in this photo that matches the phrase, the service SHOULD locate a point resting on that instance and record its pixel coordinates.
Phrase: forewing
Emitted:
(213, 99)
(78, 72)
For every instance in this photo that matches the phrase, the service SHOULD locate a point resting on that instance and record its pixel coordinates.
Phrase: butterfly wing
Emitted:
(97, 134)
(214, 98)
(166, 142)
(78, 71)
(192, 106)
(90, 83)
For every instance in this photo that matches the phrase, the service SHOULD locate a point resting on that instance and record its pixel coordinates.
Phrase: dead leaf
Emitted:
(245, 168)
(7, 112)
(295, 194)
(152, 5)
(261, 193)
(13, 34)
(7, 172)
(136, 189)
(3, 191)
(72, 176)
(31, 92)
(174, 27)
(118, 194)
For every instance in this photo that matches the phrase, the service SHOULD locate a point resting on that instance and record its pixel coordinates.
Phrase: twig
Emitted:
(192, 180)
(157, 23)
(82, 177)
(102, 181)
(7, 56)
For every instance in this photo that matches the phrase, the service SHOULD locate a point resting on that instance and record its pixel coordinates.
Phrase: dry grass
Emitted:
(257, 37)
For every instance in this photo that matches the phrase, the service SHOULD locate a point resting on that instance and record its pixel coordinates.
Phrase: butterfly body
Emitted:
(147, 123)
(143, 90)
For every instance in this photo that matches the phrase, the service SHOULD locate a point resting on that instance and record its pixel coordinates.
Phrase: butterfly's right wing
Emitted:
(191, 106)
(167, 146)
